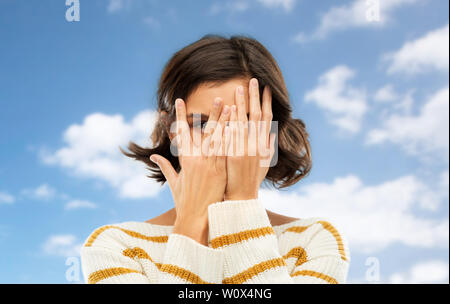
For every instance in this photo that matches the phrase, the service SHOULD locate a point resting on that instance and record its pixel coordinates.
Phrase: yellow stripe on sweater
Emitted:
(182, 273)
(141, 254)
(315, 274)
(299, 253)
(327, 226)
(338, 238)
(96, 233)
(240, 236)
(254, 271)
(172, 269)
(297, 229)
(109, 272)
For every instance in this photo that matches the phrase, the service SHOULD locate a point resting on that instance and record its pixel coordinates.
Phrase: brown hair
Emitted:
(216, 59)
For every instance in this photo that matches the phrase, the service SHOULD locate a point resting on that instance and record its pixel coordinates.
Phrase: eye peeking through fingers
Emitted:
(198, 125)
(197, 121)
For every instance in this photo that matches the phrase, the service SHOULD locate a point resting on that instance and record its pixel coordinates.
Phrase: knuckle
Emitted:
(256, 114)
(267, 116)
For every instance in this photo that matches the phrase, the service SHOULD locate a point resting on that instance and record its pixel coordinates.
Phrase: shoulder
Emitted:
(167, 218)
(125, 233)
(277, 219)
(316, 234)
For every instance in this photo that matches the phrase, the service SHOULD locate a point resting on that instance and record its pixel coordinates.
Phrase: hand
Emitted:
(202, 178)
(252, 141)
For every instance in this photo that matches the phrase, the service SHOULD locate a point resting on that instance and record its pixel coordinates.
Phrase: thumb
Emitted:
(166, 168)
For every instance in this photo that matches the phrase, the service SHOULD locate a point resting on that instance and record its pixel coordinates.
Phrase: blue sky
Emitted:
(372, 92)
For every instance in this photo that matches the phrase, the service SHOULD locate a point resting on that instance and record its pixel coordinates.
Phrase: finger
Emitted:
(272, 145)
(227, 139)
(263, 141)
(267, 115)
(183, 130)
(240, 103)
(267, 161)
(242, 121)
(214, 115)
(166, 168)
(234, 134)
(224, 144)
(218, 131)
(254, 116)
(255, 105)
(196, 133)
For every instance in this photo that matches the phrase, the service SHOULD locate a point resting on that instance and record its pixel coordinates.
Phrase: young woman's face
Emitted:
(201, 100)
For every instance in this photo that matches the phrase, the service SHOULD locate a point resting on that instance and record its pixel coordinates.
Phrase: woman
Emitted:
(218, 231)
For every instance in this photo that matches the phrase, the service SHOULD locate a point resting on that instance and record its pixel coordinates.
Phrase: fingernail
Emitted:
(154, 159)
(233, 108)
(178, 101)
(254, 82)
(217, 101)
(241, 90)
(226, 109)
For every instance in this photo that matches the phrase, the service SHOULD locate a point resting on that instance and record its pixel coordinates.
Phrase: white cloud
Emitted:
(92, 150)
(239, 6)
(386, 94)
(287, 5)
(343, 104)
(430, 52)
(357, 14)
(117, 5)
(42, 192)
(443, 183)
(425, 134)
(428, 272)
(6, 198)
(393, 102)
(371, 217)
(77, 204)
(64, 245)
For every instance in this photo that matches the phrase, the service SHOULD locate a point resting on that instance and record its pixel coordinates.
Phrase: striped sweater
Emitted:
(243, 247)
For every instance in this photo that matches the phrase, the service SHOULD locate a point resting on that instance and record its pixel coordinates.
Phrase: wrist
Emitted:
(240, 196)
(195, 228)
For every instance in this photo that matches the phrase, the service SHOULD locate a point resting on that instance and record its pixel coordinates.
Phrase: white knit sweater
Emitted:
(243, 247)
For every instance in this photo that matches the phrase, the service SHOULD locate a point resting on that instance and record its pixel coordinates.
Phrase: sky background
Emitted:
(369, 78)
